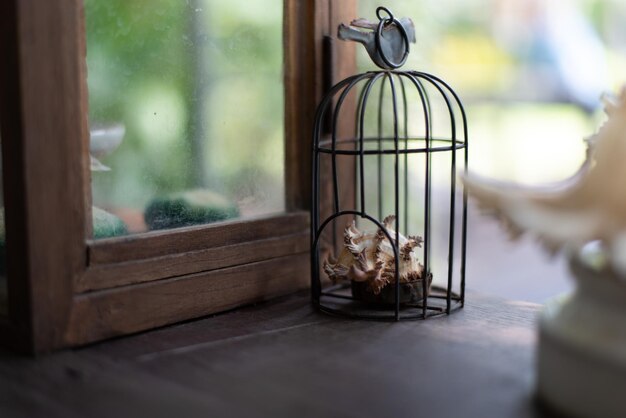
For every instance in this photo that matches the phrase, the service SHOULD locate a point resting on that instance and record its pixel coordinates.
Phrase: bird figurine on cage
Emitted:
(392, 41)
(386, 273)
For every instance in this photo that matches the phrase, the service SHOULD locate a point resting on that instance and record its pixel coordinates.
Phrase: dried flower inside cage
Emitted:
(367, 260)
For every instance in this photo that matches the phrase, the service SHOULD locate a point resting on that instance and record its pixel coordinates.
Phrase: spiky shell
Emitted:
(369, 257)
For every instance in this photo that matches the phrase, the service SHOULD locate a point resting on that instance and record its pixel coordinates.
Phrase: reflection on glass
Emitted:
(186, 112)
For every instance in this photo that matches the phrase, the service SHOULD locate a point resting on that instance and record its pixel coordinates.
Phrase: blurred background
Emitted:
(530, 74)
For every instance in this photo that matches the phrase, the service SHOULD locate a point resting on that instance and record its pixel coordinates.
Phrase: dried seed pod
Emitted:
(369, 257)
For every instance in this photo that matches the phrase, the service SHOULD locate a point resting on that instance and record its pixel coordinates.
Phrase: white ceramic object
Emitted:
(103, 140)
(582, 345)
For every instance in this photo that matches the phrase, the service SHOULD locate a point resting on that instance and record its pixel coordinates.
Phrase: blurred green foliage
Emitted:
(133, 46)
(106, 225)
(198, 86)
(188, 208)
(461, 41)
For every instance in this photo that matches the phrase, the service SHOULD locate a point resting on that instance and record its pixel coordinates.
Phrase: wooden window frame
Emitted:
(66, 290)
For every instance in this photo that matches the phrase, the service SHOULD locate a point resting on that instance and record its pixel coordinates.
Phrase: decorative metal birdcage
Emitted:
(401, 160)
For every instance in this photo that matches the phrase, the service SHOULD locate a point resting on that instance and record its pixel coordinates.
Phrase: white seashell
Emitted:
(369, 257)
(590, 205)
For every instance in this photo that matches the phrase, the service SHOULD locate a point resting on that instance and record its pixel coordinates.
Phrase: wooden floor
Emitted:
(282, 359)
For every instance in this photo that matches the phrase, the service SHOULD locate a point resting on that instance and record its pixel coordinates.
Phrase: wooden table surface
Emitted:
(282, 359)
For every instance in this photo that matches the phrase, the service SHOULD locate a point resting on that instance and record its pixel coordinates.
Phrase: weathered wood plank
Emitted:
(43, 139)
(72, 384)
(108, 313)
(477, 362)
(306, 25)
(280, 313)
(160, 243)
(302, 66)
(132, 272)
(282, 359)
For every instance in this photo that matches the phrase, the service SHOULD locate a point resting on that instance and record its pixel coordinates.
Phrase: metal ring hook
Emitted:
(391, 20)
(390, 17)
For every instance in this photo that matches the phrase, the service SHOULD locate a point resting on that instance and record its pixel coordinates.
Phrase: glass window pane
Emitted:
(186, 112)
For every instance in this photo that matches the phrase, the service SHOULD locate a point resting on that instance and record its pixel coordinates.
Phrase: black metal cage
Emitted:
(395, 157)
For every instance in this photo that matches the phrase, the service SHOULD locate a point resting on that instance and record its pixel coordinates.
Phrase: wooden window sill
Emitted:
(282, 358)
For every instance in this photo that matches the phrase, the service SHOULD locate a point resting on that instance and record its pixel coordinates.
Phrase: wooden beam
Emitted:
(178, 241)
(109, 313)
(138, 271)
(18, 327)
(301, 65)
(306, 24)
(43, 129)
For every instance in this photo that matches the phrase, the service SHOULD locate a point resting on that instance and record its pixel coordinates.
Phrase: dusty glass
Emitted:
(186, 112)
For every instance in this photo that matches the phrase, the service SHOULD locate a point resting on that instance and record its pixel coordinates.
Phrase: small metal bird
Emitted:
(392, 41)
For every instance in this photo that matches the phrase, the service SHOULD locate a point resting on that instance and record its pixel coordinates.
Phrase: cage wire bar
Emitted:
(436, 300)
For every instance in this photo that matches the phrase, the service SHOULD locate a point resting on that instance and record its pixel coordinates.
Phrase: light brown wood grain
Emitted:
(178, 241)
(305, 27)
(108, 313)
(283, 359)
(138, 271)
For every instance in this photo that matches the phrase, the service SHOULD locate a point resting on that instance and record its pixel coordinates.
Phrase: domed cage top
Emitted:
(402, 159)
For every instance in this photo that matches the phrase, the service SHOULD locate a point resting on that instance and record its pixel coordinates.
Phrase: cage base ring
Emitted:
(338, 302)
